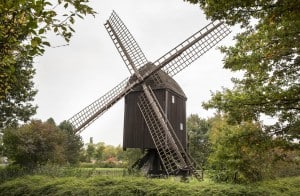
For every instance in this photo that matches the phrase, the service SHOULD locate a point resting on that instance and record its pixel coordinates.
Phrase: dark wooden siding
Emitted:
(176, 113)
(136, 134)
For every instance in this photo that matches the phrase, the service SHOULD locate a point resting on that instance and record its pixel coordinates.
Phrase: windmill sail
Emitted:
(90, 113)
(192, 48)
(126, 45)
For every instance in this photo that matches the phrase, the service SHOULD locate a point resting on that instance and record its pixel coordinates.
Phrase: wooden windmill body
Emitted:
(154, 103)
(172, 100)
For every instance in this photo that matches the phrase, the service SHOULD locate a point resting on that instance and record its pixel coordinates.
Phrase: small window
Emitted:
(181, 126)
(173, 99)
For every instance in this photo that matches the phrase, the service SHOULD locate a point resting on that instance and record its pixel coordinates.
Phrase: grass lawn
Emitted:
(127, 185)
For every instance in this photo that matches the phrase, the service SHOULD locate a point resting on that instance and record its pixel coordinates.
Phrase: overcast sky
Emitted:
(71, 77)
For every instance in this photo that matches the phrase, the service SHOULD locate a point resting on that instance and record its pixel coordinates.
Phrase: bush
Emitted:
(39, 143)
(87, 165)
(12, 171)
(100, 185)
(240, 153)
(15, 171)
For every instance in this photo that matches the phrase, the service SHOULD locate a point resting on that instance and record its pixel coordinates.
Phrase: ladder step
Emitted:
(165, 148)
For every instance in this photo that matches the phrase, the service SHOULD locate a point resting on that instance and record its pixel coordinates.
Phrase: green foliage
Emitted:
(110, 152)
(12, 171)
(23, 29)
(267, 52)
(33, 144)
(286, 162)
(245, 153)
(241, 153)
(16, 105)
(52, 170)
(99, 151)
(1, 145)
(24, 24)
(72, 143)
(130, 156)
(90, 152)
(199, 145)
(108, 156)
(38, 143)
(99, 185)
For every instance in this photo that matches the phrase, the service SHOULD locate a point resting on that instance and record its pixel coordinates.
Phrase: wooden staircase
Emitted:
(173, 156)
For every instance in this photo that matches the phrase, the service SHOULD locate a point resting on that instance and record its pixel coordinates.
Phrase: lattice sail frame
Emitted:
(124, 41)
(89, 114)
(192, 48)
(171, 63)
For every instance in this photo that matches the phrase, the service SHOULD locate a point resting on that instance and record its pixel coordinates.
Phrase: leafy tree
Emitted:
(83, 157)
(90, 151)
(23, 29)
(109, 152)
(99, 151)
(73, 143)
(16, 105)
(108, 155)
(1, 145)
(240, 153)
(131, 155)
(40, 142)
(51, 121)
(286, 162)
(119, 152)
(267, 52)
(34, 144)
(199, 145)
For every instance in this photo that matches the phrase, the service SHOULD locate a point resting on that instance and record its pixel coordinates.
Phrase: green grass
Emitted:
(105, 169)
(14, 171)
(104, 185)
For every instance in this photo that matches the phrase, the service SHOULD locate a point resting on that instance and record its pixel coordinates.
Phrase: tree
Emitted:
(240, 153)
(119, 152)
(38, 143)
(73, 143)
(199, 145)
(110, 152)
(34, 144)
(23, 29)
(267, 52)
(1, 145)
(99, 151)
(16, 105)
(90, 151)
(131, 155)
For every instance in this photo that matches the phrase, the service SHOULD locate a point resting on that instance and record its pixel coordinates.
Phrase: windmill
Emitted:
(150, 93)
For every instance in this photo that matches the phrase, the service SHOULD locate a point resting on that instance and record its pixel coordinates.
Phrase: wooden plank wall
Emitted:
(136, 134)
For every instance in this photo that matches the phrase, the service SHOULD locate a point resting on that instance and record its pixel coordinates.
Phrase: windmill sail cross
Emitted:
(171, 63)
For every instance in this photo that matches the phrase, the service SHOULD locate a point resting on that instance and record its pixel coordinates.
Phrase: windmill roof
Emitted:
(159, 80)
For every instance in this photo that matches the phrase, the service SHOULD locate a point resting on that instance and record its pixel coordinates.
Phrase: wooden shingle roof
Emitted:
(160, 80)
